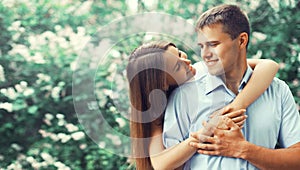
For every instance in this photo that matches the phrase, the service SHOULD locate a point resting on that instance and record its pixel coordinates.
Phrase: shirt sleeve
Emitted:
(176, 121)
(290, 124)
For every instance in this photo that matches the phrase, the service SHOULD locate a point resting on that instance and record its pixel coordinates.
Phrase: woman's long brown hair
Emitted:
(145, 74)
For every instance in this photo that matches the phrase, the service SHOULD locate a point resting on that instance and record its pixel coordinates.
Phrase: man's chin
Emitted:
(215, 72)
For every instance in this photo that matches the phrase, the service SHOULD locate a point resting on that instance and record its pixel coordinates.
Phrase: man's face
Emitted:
(219, 52)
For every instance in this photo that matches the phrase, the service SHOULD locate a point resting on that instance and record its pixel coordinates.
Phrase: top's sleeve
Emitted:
(176, 121)
(290, 124)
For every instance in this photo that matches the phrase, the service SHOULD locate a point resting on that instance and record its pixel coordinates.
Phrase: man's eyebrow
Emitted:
(209, 42)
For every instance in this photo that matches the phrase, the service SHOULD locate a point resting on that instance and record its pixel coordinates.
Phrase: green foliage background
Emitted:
(40, 41)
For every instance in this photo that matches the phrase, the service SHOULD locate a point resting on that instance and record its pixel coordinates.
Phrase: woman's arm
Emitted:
(170, 158)
(262, 76)
(176, 156)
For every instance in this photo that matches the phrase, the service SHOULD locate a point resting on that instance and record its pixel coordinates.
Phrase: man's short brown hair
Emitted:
(233, 19)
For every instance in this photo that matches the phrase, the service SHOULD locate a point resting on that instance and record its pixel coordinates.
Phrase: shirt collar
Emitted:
(213, 82)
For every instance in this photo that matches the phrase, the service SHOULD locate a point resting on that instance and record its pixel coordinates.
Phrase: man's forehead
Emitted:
(211, 34)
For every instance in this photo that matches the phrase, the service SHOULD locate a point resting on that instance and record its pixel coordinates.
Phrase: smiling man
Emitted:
(223, 35)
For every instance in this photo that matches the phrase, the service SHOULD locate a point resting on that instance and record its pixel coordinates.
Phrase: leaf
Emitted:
(32, 109)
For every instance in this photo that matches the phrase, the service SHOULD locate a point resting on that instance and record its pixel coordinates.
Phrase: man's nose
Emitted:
(206, 52)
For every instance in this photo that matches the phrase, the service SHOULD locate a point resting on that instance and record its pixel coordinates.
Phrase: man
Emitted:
(223, 35)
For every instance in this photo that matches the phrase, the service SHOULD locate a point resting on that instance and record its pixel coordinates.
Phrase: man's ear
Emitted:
(243, 39)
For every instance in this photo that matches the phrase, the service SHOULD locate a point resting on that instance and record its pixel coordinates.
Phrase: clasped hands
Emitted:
(222, 134)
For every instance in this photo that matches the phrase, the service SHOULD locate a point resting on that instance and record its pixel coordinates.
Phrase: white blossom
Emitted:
(61, 122)
(121, 122)
(6, 106)
(55, 92)
(16, 147)
(10, 93)
(114, 138)
(60, 116)
(47, 157)
(71, 128)
(274, 4)
(260, 36)
(49, 116)
(21, 50)
(30, 159)
(82, 146)
(42, 78)
(102, 144)
(115, 53)
(1, 157)
(2, 75)
(15, 26)
(43, 133)
(28, 92)
(19, 88)
(84, 8)
(38, 58)
(73, 65)
(77, 135)
(24, 84)
(57, 28)
(14, 166)
(61, 166)
(63, 137)
(53, 137)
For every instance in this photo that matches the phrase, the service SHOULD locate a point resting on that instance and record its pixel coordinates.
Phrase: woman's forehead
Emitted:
(171, 56)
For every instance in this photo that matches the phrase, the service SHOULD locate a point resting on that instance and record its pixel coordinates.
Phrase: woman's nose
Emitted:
(186, 61)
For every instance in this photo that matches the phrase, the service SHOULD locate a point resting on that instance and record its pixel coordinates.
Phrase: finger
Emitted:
(216, 113)
(203, 138)
(231, 124)
(202, 146)
(236, 113)
(239, 118)
(225, 110)
(241, 123)
(205, 152)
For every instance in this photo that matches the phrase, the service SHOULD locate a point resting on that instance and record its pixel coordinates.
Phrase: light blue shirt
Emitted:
(272, 117)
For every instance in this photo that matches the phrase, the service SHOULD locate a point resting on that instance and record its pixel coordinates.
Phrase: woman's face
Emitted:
(178, 66)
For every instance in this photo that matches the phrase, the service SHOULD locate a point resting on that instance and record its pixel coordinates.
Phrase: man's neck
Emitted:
(233, 79)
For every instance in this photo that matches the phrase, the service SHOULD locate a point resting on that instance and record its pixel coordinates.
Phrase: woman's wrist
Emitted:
(235, 105)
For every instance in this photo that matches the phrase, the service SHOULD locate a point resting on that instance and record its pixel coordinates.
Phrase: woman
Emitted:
(154, 71)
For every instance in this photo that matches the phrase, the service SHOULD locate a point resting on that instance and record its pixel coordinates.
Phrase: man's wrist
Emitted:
(245, 149)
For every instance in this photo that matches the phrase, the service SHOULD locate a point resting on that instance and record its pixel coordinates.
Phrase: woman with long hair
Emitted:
(154, 70)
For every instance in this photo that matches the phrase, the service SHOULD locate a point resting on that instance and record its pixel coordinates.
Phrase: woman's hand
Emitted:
(237, 116)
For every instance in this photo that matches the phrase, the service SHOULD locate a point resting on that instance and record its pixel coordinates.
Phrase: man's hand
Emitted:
(224, 142)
